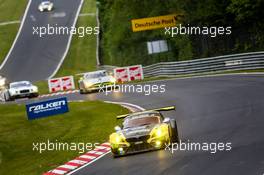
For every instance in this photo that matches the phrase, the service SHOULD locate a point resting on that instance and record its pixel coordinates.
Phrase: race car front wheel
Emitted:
(174, 137)
(8, 97)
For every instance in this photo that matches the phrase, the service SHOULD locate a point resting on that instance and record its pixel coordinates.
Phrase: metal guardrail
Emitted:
(245, 61)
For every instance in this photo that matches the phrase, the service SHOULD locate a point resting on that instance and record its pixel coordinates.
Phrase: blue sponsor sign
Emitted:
(47, 108)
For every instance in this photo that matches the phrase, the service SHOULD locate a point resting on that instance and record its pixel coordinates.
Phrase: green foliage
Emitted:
(247, 10)
(121, 46)
(82, 53)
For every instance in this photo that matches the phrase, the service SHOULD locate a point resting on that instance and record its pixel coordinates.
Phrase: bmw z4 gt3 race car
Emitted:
(143, 131)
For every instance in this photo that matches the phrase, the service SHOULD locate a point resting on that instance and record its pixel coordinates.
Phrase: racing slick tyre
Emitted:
(174, 137)
(115, 155)
(34, 95)
(82, 91)
(7, 97)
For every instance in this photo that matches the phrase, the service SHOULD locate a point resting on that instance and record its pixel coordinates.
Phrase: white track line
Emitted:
(18, 34)
(9, 22)
(126, 104)
(69, 42)
(87, 14)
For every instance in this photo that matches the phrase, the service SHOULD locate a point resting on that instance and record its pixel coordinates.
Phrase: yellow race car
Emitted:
(143, 131)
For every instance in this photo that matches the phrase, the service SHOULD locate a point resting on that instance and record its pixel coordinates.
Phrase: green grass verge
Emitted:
(8, 32)
(82, 54)
(87, 122)
(12, 10)
(42, 87)
(7, 35)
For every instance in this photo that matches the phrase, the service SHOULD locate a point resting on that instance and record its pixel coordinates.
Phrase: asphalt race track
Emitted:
(212, 109)
(34, 58)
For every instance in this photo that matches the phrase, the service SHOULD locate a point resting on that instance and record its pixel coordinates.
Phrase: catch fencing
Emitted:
(236, 62)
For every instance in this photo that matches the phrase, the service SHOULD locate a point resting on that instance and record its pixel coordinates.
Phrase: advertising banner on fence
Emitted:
(61, 84)
(121, 74)
(155, 22)
(47, 108)
(67, 83)
(135, 72)
(131, 73)
(54, 85)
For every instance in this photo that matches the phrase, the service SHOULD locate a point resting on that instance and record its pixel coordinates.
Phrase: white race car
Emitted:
(94, 81)
(45, 6)
(21, 89)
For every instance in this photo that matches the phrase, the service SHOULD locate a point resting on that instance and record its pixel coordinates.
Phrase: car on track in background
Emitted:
(3, 82)
(93, 81)
(21, 89)
(143, 131)
(45, 6)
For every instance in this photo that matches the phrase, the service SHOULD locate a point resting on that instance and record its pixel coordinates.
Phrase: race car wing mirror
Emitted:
(166, 120)
(117, 128)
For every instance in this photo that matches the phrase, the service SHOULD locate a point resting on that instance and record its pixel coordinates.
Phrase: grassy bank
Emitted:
(82, 54)
(8, 32)
(12, 10)
(87, 122)
(7, 35)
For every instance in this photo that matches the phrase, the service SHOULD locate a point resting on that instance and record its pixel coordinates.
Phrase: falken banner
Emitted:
(155, 22)
(47, 108)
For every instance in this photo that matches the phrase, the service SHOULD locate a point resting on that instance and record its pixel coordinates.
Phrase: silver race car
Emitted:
(3, 82)
(45, 6)
(21, 89)
(93, 81)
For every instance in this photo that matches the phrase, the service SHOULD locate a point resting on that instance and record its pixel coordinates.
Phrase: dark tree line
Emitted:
(120, 46)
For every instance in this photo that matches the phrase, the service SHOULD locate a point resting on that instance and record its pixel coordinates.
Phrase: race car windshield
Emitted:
(97, 75)
(141, 121)
(45, 2)
(16, 85)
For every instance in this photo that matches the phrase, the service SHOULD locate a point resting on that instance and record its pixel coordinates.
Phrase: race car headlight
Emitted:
(2, 82)
(34, 89)
(13, 92)
(112, 79)
(159, 132)
(117, 139)
(87, 84)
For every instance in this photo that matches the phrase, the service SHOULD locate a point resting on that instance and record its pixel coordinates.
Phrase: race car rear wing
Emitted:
(169, 108)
